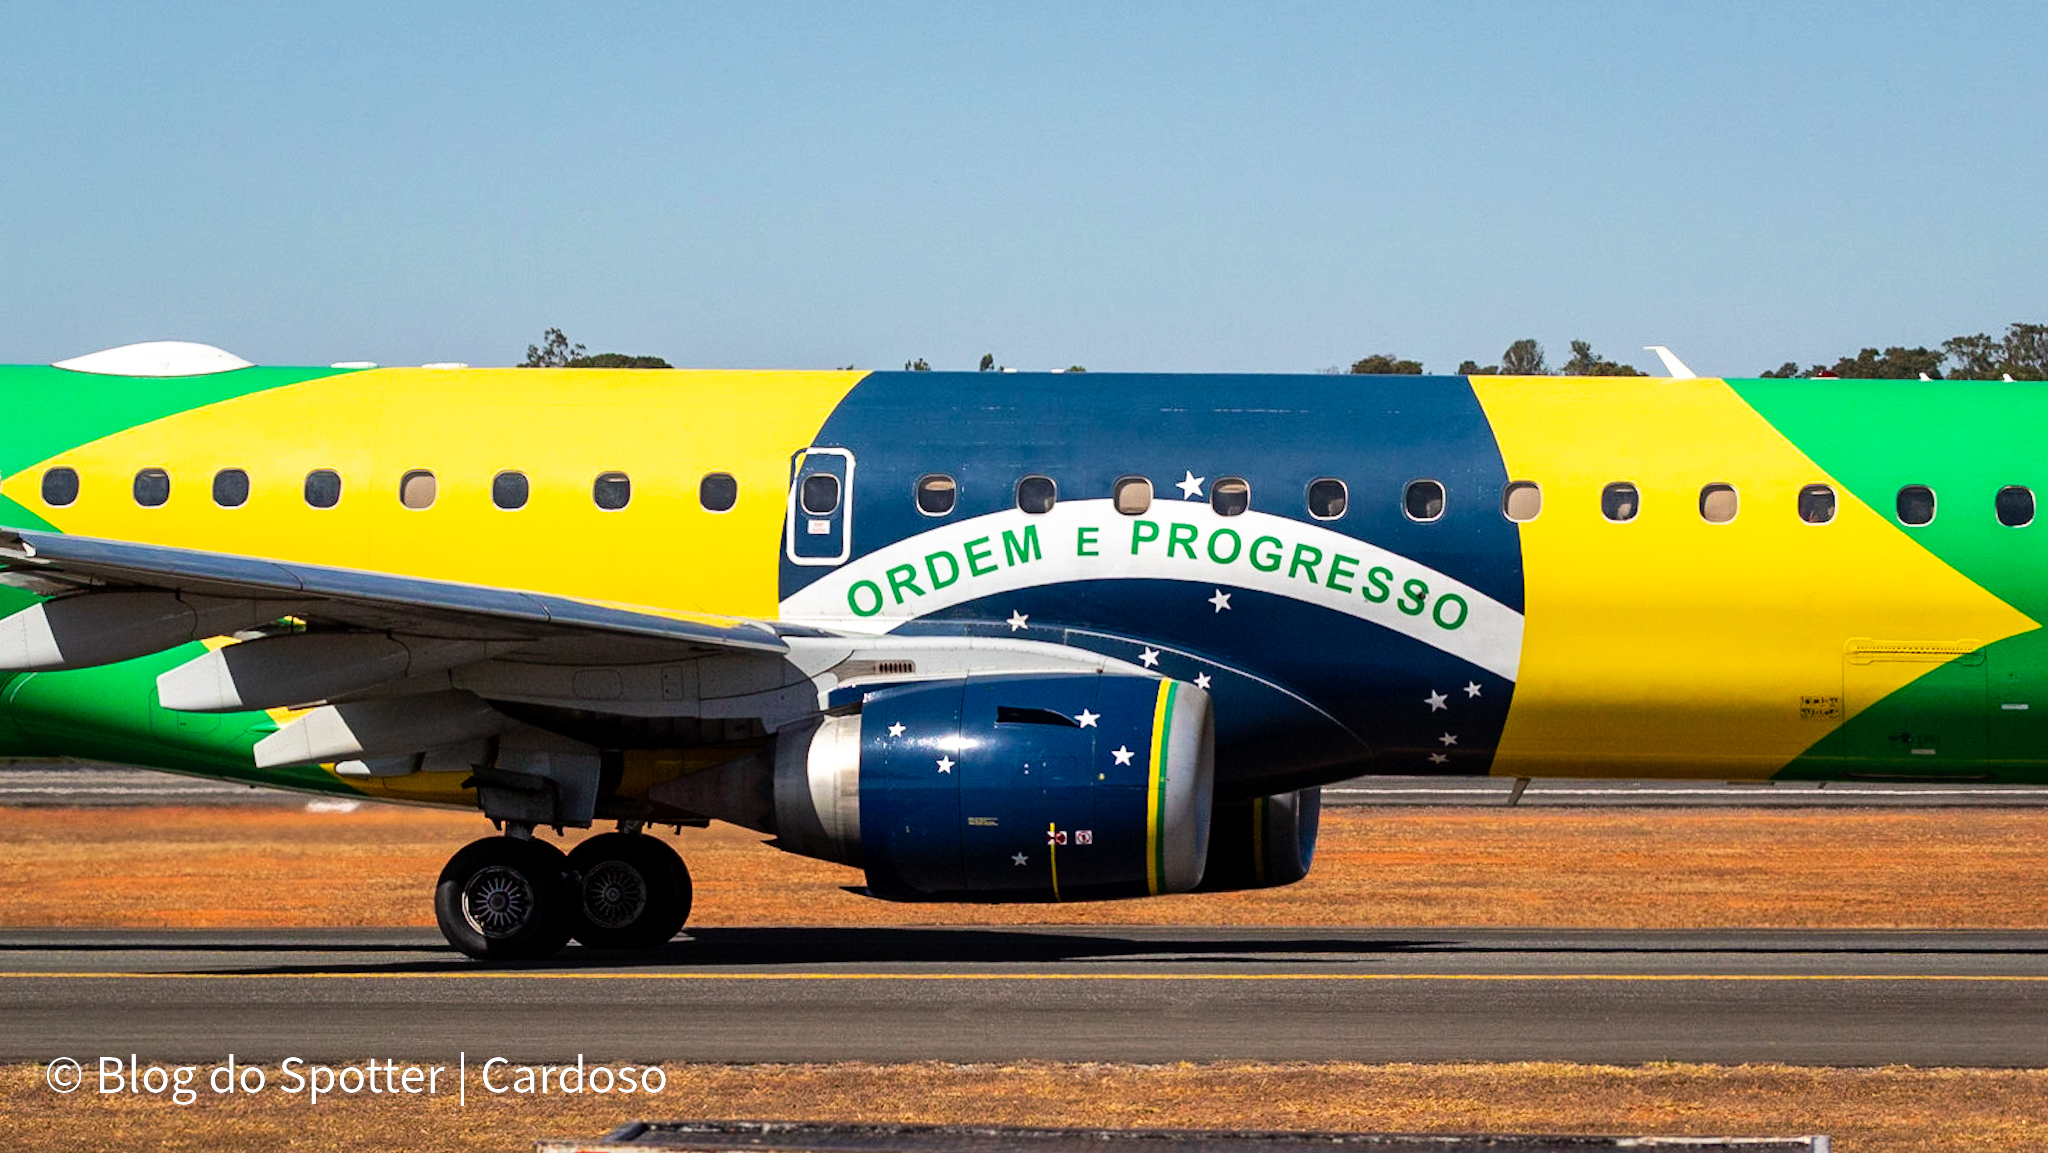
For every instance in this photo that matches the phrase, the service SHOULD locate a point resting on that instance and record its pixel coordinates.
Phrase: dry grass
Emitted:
(1866, 1110)
(1589, 868)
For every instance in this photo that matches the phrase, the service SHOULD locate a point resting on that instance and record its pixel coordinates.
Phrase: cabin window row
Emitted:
(1423, 501)
(418, 489)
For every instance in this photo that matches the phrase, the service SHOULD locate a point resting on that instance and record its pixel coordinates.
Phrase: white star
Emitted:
(1123, 754)
(1202, 681)
(1435, 701)
(1017, 620)
(1019, 858)
(1087, 719)
(897, 729)
(1471, 689)
(1439, 758)
(1191, 488)
(1149, 658)
(1221, 600)
(946, 764)
(1449, 739)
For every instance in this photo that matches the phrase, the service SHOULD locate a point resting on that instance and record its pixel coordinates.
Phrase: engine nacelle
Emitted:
(1029, 788)
(1264, 842)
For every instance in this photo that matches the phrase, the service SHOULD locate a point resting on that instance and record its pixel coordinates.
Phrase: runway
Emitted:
(1069, 994)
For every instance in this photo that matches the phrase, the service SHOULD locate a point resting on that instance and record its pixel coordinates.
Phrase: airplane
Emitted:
(995, 637)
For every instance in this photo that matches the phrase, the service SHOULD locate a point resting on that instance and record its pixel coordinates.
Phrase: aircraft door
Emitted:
(820, 523)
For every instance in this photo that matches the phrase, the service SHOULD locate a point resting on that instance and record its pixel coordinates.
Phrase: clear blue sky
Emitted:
(1174, 186)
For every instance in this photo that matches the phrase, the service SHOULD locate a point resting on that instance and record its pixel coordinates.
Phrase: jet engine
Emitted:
(1263, 842)
(995, 788)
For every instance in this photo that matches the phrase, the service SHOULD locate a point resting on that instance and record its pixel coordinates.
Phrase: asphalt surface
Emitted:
(1072, 994)
(57, 783)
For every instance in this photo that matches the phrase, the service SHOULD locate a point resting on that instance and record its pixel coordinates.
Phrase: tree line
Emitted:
(2020, 354)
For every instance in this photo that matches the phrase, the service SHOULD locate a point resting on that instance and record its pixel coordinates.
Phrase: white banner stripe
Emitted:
(1008, 551)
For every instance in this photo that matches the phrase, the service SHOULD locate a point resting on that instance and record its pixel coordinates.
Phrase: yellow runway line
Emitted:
(1927, 978)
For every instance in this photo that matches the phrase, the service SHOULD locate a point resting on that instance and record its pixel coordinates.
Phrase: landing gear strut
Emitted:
(514, 898)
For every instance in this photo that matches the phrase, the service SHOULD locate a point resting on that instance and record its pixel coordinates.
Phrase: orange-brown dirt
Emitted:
(1864, 1110)
(1589, 868)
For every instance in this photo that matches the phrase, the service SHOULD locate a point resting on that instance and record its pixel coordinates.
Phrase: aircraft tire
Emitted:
(632, 891)
(506, 899)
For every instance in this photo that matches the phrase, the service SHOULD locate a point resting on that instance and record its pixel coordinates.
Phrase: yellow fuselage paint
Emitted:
(1669, 645)
(664, 430)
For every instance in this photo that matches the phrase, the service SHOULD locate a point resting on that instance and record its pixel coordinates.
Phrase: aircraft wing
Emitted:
(354, 598)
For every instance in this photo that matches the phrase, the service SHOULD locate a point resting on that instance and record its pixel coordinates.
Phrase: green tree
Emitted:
(1586, 362)
(1386, 364)
(918, 365)
(1785, 371)
(988, 362)
(1471, 368)
(1075, 368)
(617, 360)
(1523, 358)
(553, 351)
(2022, 353)
(1894, 363)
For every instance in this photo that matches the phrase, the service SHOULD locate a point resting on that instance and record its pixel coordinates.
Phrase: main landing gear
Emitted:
(513, 898)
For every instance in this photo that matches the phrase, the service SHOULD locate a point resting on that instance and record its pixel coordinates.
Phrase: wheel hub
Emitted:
(614, 895)
(497, 901)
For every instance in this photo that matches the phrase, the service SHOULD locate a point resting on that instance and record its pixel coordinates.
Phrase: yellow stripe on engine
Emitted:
(1155, 788)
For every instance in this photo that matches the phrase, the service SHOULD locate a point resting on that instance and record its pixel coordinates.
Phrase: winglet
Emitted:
(1673, 367)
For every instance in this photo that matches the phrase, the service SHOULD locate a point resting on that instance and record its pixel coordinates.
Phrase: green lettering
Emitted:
(853, 598)
(1084, 541)
(1416, 591)
(977, 555)
(902, 577)
(931, 567)
(1438, 611)
(1142, 531)
(1377, 592)
(1181, 536)
(1341, 568)
(1236, 545)
(1017, 552)
(1306, 556)
(1267, 564)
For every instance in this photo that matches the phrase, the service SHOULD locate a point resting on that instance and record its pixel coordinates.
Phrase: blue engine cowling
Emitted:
(999, 788)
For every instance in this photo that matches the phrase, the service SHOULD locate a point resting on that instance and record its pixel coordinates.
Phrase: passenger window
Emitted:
(152, 488)
(510, 490)
(820, 494)
(2015, 506)
(1230, 496)
(1036, 494)
(937, 494)
(718, 492)
(1521, 500)
(1327, 498)
(1133, 495)
(60, 487)
(1916, 505)
(231, 488)
(418, 489)
(613, 491)
(1423, 500)
(1718, 503)
(323, 488)
(1620, 502)
(1817, 504)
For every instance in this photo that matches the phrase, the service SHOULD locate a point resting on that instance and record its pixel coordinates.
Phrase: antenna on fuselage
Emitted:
(1673, 367)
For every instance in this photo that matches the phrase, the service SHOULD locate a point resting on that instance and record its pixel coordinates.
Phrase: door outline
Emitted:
(840, 519)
